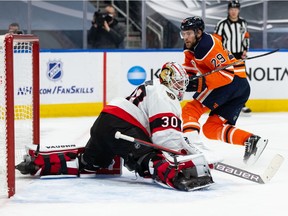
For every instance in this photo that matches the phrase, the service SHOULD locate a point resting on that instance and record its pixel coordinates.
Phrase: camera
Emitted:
(99, 18)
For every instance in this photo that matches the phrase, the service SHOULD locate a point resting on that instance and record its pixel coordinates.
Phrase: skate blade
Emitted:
(260, 148)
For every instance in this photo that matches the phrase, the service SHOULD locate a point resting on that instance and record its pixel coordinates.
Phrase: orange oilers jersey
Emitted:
(208, 55)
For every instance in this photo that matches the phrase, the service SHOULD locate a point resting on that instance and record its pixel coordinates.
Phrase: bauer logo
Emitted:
(55, 71)
(136, 75)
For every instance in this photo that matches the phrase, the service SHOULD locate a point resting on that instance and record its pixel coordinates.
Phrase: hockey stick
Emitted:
(234, 63)
(119, 135)
(267, 175)
(269, 172)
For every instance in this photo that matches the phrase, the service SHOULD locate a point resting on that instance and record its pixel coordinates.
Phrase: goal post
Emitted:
(19, 103)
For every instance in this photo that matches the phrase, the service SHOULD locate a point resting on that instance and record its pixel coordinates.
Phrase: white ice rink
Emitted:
(129, 195)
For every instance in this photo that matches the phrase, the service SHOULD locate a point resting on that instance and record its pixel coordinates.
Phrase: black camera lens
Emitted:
(109, 17)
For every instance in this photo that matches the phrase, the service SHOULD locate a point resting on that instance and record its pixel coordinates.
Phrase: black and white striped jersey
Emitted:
(234, 35)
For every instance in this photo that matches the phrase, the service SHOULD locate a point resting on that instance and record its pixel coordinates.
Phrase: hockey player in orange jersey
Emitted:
(222, 93)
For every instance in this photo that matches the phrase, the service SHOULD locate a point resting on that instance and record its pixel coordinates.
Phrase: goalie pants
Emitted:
(102, 146)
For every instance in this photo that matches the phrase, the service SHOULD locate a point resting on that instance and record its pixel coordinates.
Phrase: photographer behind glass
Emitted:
(106, 32)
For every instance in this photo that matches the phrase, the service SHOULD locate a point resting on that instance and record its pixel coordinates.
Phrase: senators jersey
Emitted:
(156, 110)
(208, 55)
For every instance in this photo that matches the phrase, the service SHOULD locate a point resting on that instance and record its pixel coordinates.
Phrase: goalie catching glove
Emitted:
(184, 173)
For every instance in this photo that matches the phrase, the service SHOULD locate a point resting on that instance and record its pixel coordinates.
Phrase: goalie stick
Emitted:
(267, 175)
(269, 172)
(234, 63)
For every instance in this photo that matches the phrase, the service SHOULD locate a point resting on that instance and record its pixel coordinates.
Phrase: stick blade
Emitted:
(272, 168)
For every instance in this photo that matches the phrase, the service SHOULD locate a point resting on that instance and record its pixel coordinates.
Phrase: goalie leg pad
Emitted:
(49, 163)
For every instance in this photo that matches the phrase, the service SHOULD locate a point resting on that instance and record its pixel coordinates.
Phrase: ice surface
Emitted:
(132, 195)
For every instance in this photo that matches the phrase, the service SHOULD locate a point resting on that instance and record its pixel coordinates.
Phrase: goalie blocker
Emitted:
(185, 173)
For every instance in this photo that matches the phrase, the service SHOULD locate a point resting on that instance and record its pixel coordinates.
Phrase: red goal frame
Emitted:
(9, 62)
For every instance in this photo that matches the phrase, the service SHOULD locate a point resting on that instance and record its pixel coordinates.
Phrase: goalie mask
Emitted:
(174, 76)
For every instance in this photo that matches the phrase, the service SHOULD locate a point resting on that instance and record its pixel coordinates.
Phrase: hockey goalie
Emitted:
(151, 113)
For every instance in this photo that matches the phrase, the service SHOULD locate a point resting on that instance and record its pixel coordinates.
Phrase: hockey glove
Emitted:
(196, 85)
(185, 173)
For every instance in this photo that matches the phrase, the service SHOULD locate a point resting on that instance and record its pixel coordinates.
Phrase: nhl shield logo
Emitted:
(55, 71)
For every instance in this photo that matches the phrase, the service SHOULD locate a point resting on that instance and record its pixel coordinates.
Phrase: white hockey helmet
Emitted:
(174, 76)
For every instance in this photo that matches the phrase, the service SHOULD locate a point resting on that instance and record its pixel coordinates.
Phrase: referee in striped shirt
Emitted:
(233, 33)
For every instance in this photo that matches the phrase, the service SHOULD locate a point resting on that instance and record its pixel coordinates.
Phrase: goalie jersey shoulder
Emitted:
(161, 100)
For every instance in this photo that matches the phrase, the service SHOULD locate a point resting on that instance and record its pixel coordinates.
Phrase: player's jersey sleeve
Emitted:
(211, 55)
(188, 65)
(246, 40)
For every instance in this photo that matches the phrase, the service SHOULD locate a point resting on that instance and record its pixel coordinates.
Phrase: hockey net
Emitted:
(19, 103)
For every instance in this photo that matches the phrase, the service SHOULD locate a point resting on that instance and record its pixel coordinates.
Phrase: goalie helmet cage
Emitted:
(19, 103)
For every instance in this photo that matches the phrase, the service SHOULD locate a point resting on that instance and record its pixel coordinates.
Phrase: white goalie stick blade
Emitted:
(272, 168)
(269, 172)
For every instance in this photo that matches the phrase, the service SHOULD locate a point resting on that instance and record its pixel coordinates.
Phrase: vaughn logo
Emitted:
(64, 146)
(55, 71)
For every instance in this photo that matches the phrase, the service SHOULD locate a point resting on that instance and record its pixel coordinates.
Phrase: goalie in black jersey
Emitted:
(151, 113)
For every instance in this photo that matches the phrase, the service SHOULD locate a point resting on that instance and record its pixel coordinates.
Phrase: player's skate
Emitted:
(254, 147)
(245, 111)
